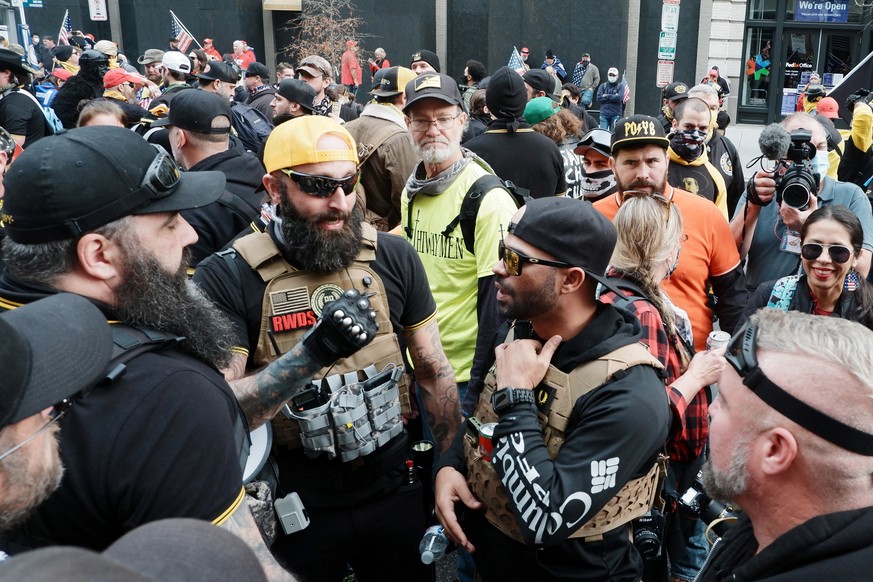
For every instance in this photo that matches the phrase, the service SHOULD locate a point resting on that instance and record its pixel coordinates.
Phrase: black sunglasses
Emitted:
(838, 253)
(58, 410)
(741, 355)
(513, 260)
(323, 186)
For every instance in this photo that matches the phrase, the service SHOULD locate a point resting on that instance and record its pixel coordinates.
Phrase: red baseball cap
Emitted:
(62, 74)
(828, 107)
(117, 76)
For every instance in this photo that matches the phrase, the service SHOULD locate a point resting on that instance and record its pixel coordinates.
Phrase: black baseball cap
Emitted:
(50, 350)
(570, 230)
(391, 81)
(194, 111)
(257, 69)
(218, 71)
(297, 91)
(541, 81)
(432, 86)
(676, 91)
(638, 130)
(91, 176)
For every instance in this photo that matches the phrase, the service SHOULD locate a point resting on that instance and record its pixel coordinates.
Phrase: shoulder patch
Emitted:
(725, 162)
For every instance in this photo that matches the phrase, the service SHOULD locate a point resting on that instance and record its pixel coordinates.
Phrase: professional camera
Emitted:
(649, 534)
(696, 503)
(799, 182)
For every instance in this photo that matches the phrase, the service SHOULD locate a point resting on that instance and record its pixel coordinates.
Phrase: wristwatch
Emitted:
(503, 400)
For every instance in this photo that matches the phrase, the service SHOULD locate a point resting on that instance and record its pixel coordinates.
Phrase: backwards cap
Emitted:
(295, 143)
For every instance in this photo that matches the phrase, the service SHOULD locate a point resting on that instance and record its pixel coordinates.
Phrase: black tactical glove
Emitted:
(346, 325)
(859, 95)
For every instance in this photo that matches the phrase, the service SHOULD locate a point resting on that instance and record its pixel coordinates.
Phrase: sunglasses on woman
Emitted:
(838, 253)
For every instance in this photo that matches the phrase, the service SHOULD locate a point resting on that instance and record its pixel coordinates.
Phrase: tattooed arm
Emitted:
(434, 374)
(261, 395)
(242, 524)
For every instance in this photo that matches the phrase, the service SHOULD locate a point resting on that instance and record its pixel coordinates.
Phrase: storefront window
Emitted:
(839, 11)
(759, 67)
(762, 10)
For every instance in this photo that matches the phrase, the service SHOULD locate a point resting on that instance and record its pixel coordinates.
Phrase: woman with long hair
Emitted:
(562, 127)
(830, 246)
(646, 252)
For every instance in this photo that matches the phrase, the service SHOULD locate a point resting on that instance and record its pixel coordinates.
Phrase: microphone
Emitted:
(774, 142)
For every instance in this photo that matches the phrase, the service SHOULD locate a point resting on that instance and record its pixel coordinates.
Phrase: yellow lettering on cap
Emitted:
(416, 57)
(428, 82)
(644, 128)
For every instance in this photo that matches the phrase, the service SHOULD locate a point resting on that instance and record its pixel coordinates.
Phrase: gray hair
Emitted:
(703, 89)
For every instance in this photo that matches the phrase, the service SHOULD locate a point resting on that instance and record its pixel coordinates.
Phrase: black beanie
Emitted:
(505, 95)
(62, 52)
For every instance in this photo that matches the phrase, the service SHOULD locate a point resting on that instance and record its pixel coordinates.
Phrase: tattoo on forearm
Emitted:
(436, 377)
(243, 525)
(262, 395)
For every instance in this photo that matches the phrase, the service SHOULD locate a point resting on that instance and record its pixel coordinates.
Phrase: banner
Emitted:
(818, 11)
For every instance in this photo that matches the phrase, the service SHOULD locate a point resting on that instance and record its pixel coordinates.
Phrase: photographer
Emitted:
(766, 224)
(856, 165)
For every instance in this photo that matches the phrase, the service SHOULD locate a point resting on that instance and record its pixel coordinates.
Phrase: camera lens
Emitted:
(796, 195)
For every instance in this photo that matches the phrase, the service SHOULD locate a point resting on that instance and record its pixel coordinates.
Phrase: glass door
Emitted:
(800, 50)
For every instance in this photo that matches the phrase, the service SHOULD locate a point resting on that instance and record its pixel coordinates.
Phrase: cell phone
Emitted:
(309, 398)
(291, 513)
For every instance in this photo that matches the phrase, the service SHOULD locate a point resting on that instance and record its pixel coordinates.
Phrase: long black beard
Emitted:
(170, 302)
(315, 249)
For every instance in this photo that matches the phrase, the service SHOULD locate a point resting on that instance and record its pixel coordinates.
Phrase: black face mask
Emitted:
(687, 143)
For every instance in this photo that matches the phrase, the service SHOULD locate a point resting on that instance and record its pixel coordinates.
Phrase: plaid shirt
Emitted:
(690, 427)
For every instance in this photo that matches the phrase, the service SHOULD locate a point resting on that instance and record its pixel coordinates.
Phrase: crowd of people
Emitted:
(468, 302)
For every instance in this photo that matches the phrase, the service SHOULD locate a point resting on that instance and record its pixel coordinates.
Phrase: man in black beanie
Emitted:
(516, 152)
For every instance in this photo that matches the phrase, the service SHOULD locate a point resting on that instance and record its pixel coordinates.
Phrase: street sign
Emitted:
(667, 46)
(97, 10)
(670, 17)
(665, 73)
(32, 3)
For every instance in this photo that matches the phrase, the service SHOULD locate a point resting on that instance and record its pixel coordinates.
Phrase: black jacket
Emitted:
(68, 101)
(529, 159)
(836, 546)
(261, 101)
(802, 300)
(218, 223)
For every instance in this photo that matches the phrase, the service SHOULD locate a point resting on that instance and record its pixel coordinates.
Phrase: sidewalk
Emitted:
(745, 137)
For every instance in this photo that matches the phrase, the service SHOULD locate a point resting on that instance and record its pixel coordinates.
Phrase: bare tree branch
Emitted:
(323, 28)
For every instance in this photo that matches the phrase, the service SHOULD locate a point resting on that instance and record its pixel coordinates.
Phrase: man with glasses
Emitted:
(120, 87)
(768, 231)
(44, 366)
(430, 212)
(166, 435)
(792, 444)
(273, 285)
(545, 490)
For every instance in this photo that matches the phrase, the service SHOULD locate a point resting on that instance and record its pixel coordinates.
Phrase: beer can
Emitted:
(486, 446)
(717, 340)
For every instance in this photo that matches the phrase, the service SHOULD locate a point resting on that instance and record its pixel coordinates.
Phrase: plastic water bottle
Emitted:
(433, 545)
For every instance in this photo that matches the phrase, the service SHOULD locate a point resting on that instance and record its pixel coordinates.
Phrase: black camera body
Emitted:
(696, 503)
(649, 534)
(799, 181)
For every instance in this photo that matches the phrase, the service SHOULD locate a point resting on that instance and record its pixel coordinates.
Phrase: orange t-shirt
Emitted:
(709, 251)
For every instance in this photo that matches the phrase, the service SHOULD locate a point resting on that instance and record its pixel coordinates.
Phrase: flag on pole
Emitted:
(515, 62)
(180, 33)
(66, 29)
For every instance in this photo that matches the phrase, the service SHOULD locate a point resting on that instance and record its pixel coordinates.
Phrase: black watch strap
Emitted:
(503, 400)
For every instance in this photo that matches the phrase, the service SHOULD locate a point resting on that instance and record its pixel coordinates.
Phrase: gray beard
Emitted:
(24, 486)
(170, 302)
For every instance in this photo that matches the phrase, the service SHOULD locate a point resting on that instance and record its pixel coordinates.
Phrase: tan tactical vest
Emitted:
(293, 301)
(632, 501)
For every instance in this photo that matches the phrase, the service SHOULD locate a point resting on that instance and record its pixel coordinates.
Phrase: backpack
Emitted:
(783, 292)
(470, 207)
(53, 123)
(251, 126)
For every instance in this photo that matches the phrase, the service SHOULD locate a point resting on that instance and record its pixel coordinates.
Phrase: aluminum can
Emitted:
(486, 445)
(717, 340)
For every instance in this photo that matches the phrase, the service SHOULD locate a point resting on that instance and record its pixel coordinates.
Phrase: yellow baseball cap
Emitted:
(295, 143)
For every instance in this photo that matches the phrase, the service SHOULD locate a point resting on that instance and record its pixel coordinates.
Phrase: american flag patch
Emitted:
(289, 300)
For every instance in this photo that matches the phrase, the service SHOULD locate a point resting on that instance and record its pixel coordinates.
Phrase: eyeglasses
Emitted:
(741, 355)
(440, 122)
(323, 186)
(643, 194)
(58, 410)
(838, 253)
(513, 260)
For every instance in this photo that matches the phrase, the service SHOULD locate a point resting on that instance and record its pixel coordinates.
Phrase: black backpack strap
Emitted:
(129, 342)
(473, 200)
(245, 209)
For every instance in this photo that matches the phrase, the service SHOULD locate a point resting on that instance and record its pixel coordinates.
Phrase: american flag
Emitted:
(515, 62)
(66, 29)
(625, 97)
(180, 33)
